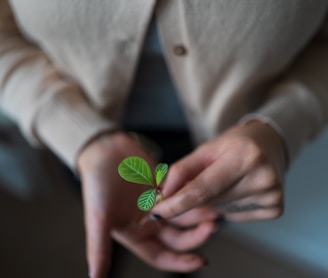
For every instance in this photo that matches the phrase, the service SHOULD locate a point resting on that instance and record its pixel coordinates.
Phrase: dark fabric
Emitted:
(173, 144)
(153, 101)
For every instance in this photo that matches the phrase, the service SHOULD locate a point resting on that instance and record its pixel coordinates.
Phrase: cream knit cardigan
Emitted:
(66, 66)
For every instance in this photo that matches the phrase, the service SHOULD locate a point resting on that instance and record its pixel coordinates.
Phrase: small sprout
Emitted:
(135, 169)
(147, 200)
(160, 172)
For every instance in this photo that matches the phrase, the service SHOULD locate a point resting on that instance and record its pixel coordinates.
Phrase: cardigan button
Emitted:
(180, 50)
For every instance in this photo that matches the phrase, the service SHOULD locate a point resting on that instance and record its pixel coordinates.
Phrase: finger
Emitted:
(99, 246)
(156, 254)
(272, 198)
(260, 180)
(255, 215)
(183, 171)
(98, 230)
(195, 216)
(264, 206)
(184, 240)
(211, 182)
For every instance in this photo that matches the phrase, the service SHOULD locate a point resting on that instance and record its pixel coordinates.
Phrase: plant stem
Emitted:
(161, 197)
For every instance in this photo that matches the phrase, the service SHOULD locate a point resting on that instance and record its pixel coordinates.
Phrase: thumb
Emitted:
(182, 172)
(185, 199)
(178, 187)
(99, 247)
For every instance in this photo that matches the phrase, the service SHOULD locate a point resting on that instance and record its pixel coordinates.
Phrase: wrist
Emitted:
(97, 146)
(270, 140)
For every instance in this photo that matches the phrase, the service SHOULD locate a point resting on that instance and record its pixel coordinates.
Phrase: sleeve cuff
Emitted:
(66, 123)
(294, 113)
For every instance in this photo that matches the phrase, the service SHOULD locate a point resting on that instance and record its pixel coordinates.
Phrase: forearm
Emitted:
(297, 105)
(49, 109)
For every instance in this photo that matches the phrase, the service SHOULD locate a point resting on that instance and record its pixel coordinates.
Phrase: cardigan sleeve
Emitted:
(49, 109)
(297, 106)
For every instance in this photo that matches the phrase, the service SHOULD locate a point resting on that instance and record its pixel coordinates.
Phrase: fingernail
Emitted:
(206, 262)
(155, 217)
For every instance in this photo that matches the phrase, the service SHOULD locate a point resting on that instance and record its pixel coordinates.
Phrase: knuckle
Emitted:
(266, 178)
(179, 204)
(200, 194)
(95, 216)
(275, 198)
(253, 155)
(172, 210)
(271, 175)
(273, 213)
(156, 262)
(176, 169)
(277, 212)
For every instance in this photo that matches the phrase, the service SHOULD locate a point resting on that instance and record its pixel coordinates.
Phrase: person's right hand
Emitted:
(111, 211)
(241, 172)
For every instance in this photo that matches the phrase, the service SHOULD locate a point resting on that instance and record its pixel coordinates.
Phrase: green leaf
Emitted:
(135, 169)
(160, 172)
(147, 200)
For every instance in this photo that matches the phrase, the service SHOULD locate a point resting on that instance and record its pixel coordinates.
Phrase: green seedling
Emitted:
(135, 169)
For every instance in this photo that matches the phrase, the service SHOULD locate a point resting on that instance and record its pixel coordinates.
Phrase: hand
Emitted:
(111, 211)
(241, 172)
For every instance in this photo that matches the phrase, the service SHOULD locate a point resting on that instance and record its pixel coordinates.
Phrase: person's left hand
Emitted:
(111, 212)
(240, 172)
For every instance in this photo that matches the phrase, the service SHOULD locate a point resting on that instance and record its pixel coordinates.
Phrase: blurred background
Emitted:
(42, 233)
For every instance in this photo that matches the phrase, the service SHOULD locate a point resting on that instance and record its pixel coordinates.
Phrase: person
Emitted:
(251, 78)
